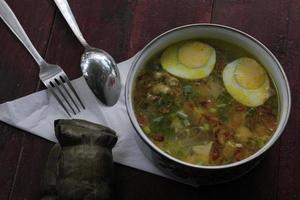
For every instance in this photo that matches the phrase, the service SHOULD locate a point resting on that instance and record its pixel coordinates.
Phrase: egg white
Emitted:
(247, 97)
(171, 63)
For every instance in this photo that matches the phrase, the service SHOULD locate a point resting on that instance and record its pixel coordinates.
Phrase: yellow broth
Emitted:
(197, 121)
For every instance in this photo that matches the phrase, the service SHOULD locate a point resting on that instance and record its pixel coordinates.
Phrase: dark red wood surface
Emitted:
(122, 27)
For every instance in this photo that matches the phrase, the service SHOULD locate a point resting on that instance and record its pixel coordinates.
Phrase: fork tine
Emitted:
(62, 94)
(67, 91)
(58, 99)
(66, 79)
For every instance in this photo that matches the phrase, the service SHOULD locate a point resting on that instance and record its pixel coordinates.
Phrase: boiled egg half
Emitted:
(189, 60)
(247, 82)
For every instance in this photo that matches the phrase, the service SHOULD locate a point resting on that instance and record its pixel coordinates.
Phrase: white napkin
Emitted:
(35, 113)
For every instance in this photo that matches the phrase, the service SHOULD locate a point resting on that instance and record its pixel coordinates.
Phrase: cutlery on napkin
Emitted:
(36, 113)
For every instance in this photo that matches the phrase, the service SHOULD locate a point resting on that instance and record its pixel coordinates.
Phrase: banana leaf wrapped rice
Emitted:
(81, 165)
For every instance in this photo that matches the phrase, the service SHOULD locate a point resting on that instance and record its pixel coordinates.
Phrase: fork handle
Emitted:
(12, 22)
(66, 11)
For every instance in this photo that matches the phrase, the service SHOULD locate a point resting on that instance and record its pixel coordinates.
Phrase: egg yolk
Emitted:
(194, 54)
(249, 74)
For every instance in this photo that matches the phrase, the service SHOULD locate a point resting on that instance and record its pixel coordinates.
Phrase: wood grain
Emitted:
(19, 77)
(152, 18)
(103, 27)
(269, 25)
(123, 27)
(289, 173)
(106, 26)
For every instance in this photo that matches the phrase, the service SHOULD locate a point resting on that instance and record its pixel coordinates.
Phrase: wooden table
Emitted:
(122, 28)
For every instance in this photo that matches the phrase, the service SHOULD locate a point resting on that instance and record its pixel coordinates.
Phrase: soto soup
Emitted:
(206, 102)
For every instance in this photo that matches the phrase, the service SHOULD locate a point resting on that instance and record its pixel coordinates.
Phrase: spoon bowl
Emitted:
(101, 74)
(98, 67)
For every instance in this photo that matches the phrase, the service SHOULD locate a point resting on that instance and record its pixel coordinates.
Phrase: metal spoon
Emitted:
(98, 67)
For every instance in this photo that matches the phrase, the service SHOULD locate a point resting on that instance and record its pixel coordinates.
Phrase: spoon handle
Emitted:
(12, 22)
(65, 10)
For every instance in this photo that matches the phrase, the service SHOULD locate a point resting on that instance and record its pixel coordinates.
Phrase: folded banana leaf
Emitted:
(81, 165)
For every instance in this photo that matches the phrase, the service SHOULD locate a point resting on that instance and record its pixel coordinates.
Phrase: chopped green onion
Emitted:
(146, 129)
(181, 114)
(200, 163)
(228, 160)
(158, 119)
(205, 127)
(212, 110)
(186, 122)
(187, 89)
(221, 105)
(250, 111)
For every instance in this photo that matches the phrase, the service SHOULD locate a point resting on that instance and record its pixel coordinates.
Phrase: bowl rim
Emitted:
(142, 135)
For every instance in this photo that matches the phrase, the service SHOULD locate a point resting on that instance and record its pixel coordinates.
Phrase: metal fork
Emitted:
(54, 78)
